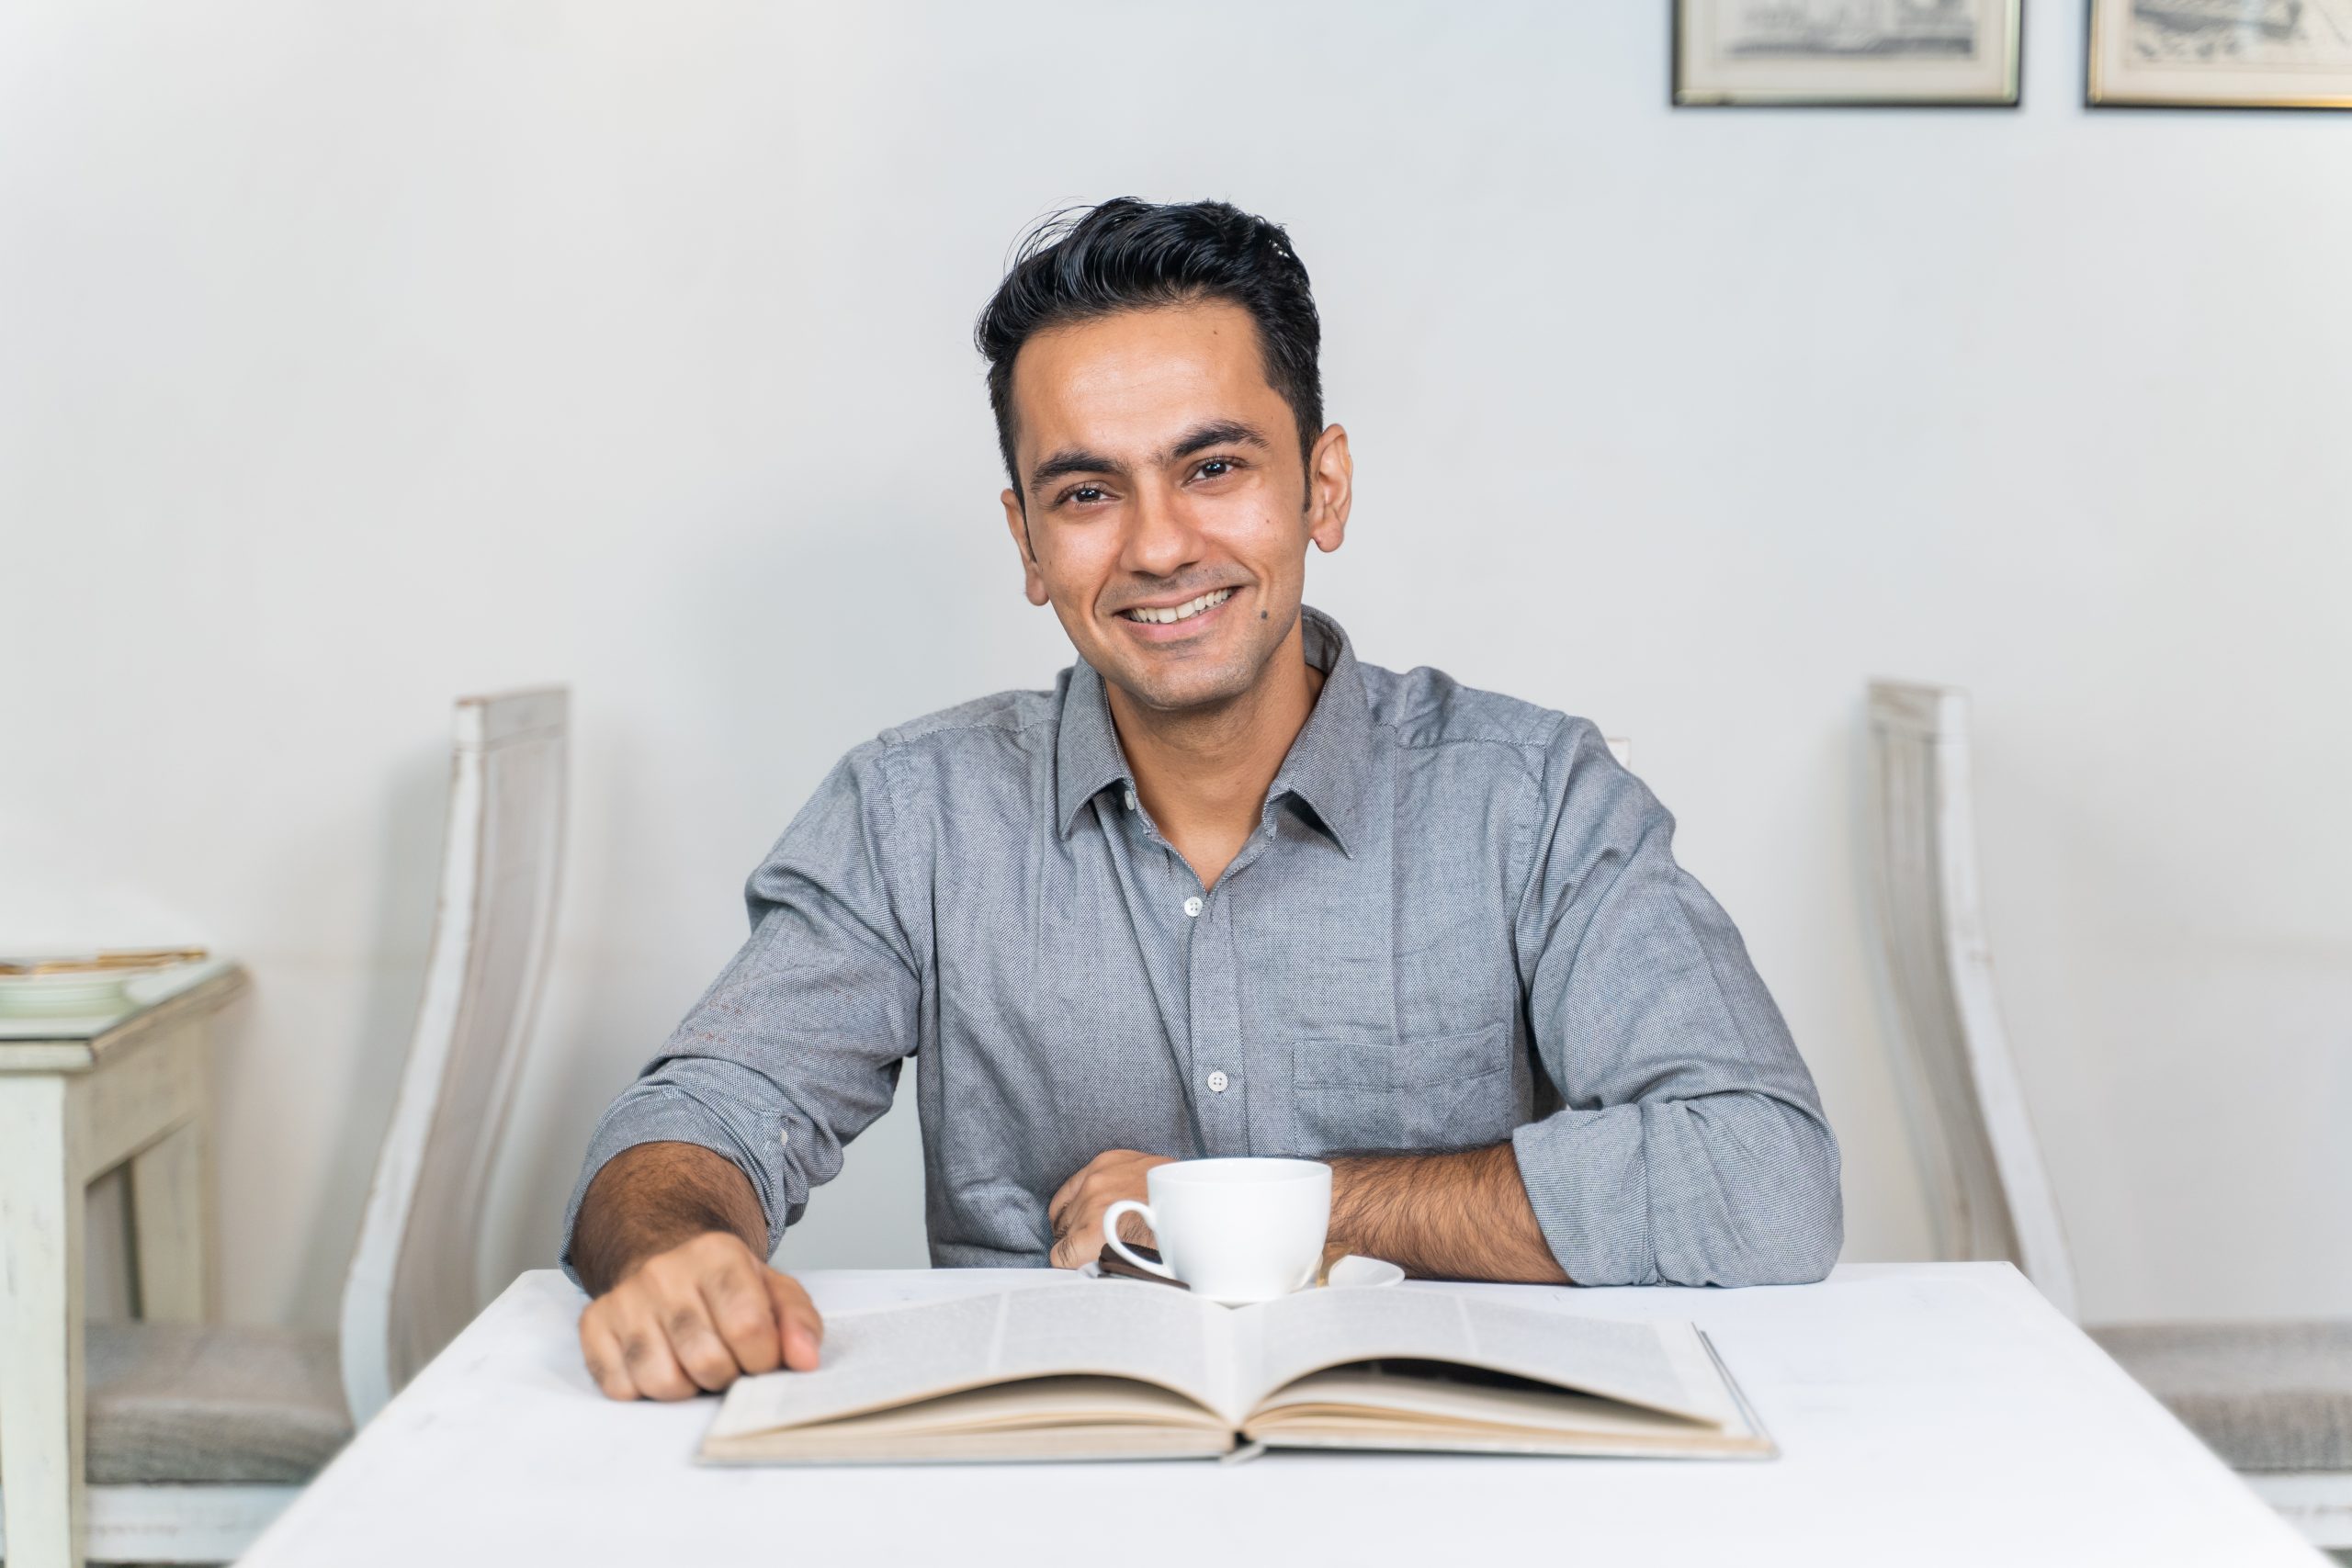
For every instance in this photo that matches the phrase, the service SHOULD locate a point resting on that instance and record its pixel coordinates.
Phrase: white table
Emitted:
(1928, 1414)
(80, 1097)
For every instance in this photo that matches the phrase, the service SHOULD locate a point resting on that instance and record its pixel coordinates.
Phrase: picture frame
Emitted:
(2284, 54)
(1852, 53)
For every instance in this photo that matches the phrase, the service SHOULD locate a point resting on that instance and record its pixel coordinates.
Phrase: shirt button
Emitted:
(784, 1136)
(1191, 905)
(1217, 1082)
(1131, 800)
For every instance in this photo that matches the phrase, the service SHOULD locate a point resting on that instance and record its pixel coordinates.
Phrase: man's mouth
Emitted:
(1150, 615)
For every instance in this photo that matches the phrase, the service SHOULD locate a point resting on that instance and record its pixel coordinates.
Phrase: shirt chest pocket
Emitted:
(1450, 1091)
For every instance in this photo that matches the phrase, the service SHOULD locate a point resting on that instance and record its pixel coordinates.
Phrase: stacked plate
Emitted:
(80, 985)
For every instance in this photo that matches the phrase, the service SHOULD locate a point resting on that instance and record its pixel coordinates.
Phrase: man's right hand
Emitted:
(664, 1240)
(695, 1319)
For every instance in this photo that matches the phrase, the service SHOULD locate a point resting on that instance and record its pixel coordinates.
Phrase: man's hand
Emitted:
(1077, 1210)
(664, 1241)
(695, 1319)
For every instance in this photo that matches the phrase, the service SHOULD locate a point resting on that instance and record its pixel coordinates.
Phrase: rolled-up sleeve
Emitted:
(797, 1047)
(1691, 1147)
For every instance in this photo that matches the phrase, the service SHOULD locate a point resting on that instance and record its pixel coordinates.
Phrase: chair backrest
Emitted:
(1989, 1195)
(413, 1282)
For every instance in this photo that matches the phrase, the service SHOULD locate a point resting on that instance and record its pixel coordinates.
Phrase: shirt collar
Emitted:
(1087, 759)
(1324, 769)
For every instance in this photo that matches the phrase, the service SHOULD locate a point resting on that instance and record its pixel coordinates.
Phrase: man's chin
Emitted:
(1197, 674)
(1174, 692)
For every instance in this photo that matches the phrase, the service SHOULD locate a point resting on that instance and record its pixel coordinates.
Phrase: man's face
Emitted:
(1161, 469)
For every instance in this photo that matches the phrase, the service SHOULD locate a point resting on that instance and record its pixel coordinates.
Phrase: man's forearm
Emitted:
(1450, 1216)
(653, 1197)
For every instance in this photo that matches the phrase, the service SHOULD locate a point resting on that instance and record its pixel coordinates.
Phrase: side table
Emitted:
(78, 1098)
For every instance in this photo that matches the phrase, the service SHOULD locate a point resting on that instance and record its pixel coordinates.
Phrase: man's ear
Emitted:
(1331, 489)
(1033, 581)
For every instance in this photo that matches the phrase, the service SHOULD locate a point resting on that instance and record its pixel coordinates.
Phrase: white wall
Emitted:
(357, 355)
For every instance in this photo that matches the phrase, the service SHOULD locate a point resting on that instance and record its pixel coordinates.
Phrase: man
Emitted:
(1224, 890)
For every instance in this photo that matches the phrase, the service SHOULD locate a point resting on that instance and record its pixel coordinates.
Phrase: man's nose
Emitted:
(1160, 538)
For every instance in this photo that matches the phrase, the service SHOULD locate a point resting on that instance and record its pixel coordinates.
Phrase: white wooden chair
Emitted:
(2273, 1399)
(198, 1435)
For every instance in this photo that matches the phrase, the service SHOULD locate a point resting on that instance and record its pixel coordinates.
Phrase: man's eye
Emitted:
(1085, 494)
(1216, 468)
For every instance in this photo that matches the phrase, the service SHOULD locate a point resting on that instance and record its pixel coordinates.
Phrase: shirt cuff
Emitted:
(1586, 1177)
(666, 1115)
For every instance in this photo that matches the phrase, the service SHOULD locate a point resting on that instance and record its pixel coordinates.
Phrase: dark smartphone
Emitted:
(1112, 1263)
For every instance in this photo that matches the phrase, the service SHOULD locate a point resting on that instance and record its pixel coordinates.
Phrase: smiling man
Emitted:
(1223, 890)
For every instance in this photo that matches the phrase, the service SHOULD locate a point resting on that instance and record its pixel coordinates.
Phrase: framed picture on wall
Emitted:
(1846, 51)
(2222, 54)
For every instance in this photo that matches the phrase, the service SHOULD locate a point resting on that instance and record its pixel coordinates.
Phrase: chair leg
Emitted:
(41, 1459)
(168, 1185)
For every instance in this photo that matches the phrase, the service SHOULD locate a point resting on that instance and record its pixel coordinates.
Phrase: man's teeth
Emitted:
(1184, 612)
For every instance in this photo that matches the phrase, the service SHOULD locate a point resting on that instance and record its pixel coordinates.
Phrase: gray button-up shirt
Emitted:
(1459, 921)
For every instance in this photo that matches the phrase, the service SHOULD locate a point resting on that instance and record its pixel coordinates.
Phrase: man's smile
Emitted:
(1177, 621)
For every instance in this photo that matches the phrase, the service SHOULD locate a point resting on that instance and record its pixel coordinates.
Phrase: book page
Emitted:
(1638, 1363)
(1419, 1400)
(1055, 1402)
(1058, 1417)
(1368, 1393)
(894, 1356)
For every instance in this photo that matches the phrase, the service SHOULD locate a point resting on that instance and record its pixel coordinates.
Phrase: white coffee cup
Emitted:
(1233, 1230)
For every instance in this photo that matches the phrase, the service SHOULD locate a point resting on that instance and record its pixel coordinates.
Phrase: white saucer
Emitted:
(1353, 1272)
(1357, 1272)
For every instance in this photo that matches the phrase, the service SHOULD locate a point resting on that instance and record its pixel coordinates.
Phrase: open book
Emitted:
(1120, 1371)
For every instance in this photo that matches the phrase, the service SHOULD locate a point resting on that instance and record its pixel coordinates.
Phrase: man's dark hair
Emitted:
(1127, 254)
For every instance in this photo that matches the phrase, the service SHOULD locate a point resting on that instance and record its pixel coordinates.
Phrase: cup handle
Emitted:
(1111, 1234)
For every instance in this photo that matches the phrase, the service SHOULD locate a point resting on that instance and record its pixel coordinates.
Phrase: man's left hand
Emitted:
(1077, 1210)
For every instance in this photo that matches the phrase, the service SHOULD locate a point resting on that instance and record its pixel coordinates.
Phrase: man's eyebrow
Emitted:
(1069, 460)
(1217, 432)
